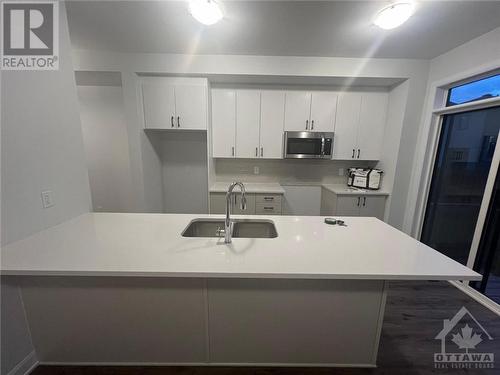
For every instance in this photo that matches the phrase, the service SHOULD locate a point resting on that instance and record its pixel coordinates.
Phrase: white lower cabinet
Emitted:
(257, 204)
(352, 205)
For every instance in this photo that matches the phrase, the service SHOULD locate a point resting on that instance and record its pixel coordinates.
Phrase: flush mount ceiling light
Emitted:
(394, 15)
(208, 12)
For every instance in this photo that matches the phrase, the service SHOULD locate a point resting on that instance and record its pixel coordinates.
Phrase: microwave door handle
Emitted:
(323, 146)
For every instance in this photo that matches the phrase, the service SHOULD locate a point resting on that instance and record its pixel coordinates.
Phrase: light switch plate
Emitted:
(47, 199)
(341, 171)
(256, 170)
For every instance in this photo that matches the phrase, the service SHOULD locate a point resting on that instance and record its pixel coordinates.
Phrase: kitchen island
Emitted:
(135, 291)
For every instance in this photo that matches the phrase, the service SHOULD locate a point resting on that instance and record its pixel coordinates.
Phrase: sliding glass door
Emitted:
(487, 260)
(464, 155)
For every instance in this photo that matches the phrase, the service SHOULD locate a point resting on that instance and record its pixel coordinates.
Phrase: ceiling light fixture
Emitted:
(394, 15)
(208, 12)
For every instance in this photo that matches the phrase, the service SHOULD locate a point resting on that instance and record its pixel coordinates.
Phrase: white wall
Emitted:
(41, 149)
(184, 170)
(474, 57)
(106, 147)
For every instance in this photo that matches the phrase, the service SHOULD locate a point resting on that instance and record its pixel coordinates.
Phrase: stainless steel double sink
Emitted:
(242, 228)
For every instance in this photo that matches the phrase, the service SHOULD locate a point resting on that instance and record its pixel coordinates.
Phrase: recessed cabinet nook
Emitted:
(250, 123)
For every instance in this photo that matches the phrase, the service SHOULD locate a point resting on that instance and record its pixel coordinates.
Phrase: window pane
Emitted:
(477, 90)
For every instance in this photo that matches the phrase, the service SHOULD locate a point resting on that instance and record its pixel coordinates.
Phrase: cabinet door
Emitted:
(373, 205)
(223, 123)
(297, 110)
(272, 115)
(348, 205)
(247, 123)
(159, 105)
(217, 203)
(372, 125)
(323, 110)
(191, 107)
(346, 127)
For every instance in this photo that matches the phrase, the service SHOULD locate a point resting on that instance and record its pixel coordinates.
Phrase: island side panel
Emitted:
(116, 320)
(295, 322)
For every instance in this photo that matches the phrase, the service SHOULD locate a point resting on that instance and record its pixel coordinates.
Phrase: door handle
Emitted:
(312, 125)
(178, 122)
(358, 152)
(364, 201)
(307, 124)
(232, 151)
(359, 201)
(256, 151)
(353, 152)
(261, 152)
(172, 121)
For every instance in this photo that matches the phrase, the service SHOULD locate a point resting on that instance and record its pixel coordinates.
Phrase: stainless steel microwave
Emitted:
(308, 145)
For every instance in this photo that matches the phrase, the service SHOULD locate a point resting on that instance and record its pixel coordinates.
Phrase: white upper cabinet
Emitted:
(297, 110)
(310, 111)
(191, 106)
(372, 125)
(159, 105)
(179, 104)
(323, 110)
(223, 123)
(360, 125)
(272, 116)
(247, 123)
(346, 127)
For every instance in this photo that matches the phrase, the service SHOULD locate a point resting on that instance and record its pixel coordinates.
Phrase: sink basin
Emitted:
(242, 228)
(249, 228)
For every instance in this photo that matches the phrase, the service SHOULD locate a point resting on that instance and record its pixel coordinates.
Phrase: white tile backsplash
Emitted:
(285, 171)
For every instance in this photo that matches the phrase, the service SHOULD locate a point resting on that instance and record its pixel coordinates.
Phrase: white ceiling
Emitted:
(279, 28)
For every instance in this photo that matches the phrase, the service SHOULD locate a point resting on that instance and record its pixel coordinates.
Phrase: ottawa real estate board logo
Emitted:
(460, 337)
(30, 35)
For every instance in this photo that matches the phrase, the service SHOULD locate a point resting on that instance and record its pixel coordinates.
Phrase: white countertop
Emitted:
(116, 244)
(250, 187)
(343, 189)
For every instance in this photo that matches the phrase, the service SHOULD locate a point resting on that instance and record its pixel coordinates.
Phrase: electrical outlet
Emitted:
(47, 199)
(256, 170)
(341, 171)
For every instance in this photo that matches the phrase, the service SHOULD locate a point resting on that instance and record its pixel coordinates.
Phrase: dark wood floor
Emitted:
(414, 316)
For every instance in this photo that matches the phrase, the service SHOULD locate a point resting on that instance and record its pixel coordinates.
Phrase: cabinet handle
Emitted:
(268, 208)
(359, 201)
(364, 201)
(358, 152)
(172, 121)
(178, 122)
(261, 152)
(232, 151)
(268, 198)
(353, 153)
(256, 151)
(307, 124)
(312, 125)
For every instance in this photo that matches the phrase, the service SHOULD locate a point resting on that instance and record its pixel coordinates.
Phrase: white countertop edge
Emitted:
(221, 275)
(346, 190)
(250, 187)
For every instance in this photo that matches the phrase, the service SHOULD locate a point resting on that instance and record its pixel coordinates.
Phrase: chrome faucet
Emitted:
(228, 224)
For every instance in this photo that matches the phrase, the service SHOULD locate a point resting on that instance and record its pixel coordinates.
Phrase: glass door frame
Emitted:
(495, 164)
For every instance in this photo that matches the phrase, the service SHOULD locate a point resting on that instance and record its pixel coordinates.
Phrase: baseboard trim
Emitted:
(477, 296)
(211, 364)
(25, 367)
